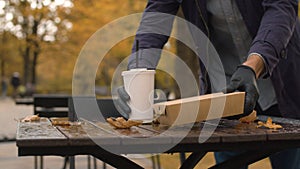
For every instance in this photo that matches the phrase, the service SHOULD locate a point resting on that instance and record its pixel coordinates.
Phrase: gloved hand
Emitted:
(123, 98)
(244, 79)
(122, 105)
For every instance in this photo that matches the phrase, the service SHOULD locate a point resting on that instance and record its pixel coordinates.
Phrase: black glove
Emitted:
(244, 79)
(122, 105)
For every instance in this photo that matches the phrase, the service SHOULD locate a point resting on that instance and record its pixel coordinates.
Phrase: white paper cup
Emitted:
(139, 84)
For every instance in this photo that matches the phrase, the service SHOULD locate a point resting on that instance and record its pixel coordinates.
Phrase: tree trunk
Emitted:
(26, 64)
(36, 50)
(2, 55)
(26, 54)
(2, 67)
(4, 52)
(33, 67)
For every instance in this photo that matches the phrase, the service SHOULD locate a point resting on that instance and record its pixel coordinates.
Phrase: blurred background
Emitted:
(41, 40)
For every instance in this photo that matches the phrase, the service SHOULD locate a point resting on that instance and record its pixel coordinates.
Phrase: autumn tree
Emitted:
(35, 22)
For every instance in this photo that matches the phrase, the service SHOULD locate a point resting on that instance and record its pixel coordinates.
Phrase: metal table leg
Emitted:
(192, 160)
(244, 159)
(72, 162)
(95, 162)
(35, 162)
(182, 157)
(66, 160)
(116, 161)
(41, 162)
(88, 162)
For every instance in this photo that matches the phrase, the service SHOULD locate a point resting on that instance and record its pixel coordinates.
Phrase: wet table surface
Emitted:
(104, 142)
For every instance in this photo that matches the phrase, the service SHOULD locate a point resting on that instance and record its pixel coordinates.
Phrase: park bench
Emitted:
(51, 105)
(24, 101)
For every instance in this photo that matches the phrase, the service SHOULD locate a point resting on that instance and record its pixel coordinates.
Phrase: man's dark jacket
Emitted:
(275, 29)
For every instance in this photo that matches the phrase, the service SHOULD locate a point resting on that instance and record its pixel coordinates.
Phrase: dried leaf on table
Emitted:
(269, 124)
(250, 118)
(121, 123)
(61, 123)
(31, 118)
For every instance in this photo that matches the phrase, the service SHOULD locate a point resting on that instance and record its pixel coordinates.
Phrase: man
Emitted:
(261, 55)
(15, 82)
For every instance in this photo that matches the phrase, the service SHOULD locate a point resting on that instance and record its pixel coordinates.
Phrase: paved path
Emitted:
(9, 114)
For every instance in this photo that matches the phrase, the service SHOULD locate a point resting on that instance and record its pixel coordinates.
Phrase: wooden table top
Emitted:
(227, 131)
(99, 138)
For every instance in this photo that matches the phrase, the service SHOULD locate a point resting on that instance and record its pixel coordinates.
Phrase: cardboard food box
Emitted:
(199, 108)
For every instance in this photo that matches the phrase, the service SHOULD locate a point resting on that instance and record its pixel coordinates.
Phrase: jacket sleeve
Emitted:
(276, 29)
(153, 32)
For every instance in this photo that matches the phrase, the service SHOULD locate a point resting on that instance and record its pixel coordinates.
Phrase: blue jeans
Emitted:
(286, 159)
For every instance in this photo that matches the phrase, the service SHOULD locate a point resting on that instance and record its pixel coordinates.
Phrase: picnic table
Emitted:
(99, 139)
